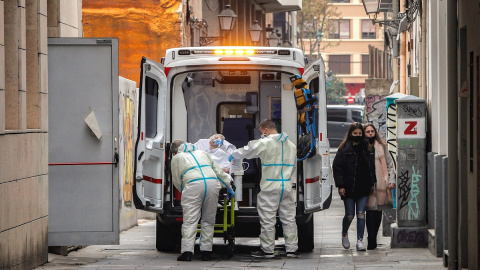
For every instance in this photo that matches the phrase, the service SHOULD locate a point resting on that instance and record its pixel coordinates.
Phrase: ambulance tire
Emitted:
(306, 236)
(168, 237)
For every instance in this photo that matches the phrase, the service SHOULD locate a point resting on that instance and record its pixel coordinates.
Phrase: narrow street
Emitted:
(137, 251)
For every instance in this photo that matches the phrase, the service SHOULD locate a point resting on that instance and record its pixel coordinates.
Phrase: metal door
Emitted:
(318, 183)
(83, 132)
(148, 187)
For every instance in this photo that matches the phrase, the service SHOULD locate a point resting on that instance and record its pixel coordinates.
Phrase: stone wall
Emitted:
(143, 28)
(24, 126)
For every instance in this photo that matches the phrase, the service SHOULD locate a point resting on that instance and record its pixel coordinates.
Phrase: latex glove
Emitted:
(230, 193)
(230, 158)
(218, 142)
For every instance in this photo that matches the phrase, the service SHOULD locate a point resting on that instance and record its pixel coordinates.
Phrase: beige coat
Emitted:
(380, 197)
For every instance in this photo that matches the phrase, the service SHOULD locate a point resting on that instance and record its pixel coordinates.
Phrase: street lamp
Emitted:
(371, 6)
(273, 39)
(227, 19)
(255, 32)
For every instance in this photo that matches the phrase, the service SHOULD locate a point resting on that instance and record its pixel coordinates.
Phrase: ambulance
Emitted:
(196, 92)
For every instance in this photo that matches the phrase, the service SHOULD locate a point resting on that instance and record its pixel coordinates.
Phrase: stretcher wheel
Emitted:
(231, 247)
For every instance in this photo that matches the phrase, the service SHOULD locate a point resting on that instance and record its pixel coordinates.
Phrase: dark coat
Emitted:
(345, 166)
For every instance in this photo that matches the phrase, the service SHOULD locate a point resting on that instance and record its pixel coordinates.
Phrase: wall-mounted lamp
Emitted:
(273, 39)
(403, 19)
(255, 32)
(227, 20)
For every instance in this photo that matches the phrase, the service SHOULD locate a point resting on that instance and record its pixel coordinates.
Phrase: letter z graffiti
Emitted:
(411, 129)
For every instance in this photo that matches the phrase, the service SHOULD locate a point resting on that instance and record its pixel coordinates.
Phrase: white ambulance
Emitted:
(200, 91)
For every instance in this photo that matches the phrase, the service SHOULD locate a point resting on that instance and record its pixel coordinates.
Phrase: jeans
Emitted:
(350, 203)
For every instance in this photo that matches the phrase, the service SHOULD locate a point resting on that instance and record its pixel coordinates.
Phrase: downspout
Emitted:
(452, 134)
(403, 55)
(424, 56)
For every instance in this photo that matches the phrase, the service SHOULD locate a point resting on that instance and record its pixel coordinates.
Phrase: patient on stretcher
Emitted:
(218, 148)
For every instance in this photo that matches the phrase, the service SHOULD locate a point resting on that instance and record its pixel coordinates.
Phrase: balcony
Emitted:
(280, 5)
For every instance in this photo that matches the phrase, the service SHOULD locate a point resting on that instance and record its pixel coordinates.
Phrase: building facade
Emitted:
(25, 26)
(345, 45)
(437, 58)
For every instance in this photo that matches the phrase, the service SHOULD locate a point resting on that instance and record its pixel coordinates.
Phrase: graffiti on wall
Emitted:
(377, 115)
(408, 191)
(392, 132)
(372, 99)
(128, 112)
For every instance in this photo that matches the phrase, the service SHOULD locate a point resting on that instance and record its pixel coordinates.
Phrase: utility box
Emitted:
(411, 161)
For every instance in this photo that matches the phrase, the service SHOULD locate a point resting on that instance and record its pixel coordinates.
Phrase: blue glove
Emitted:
(230, 193)
(230, 158)
(218, 142)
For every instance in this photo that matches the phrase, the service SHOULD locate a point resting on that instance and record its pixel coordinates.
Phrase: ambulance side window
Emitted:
(151, 103)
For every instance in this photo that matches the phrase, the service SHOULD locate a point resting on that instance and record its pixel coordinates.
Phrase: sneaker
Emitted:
(360, 245)
(345, 242)
(185, 257)
(207, 256)
(262, 254)
(294, 254)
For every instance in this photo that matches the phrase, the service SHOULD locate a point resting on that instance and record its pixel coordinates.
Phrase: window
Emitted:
(151, 103)
(368, 30)
(365, 64)
(339, 64)
(339, 29)
(336, 115)
(357, 116)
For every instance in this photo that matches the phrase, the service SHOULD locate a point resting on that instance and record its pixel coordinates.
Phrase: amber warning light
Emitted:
(237, 52)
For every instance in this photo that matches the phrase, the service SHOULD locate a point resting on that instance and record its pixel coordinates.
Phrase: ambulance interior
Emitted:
(231, 102)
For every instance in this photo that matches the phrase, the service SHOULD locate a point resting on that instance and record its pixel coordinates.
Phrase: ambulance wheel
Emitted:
(306, 236)
(167, 236)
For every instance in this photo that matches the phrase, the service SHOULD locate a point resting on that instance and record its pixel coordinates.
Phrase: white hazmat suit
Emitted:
(278, 157)
(199, 179)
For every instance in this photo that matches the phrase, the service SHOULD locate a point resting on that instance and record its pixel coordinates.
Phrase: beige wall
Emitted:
(355, 46)
(24, 125)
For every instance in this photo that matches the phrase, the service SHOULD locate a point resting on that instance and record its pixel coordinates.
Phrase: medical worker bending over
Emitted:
(199, 179)
(278, 156)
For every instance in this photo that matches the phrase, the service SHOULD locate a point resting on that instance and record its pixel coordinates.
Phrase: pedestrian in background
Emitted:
(354, 174)
(380, 197)
(199, 179)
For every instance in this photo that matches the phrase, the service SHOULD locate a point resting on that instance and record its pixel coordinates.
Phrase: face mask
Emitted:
(218, 142)
(371, 140)
(264, 135)
(356, 138)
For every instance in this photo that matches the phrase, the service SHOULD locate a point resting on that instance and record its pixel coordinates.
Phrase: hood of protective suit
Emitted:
(278, 156)
(186, 147)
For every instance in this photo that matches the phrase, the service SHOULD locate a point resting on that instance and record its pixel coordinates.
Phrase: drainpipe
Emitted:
(403, 55)
(452, 134)
(423, 40)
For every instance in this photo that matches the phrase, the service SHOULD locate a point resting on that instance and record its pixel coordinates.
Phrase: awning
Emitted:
(280, 5)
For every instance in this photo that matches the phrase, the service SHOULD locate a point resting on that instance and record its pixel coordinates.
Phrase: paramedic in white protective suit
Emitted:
(278, 157)
(199, 179)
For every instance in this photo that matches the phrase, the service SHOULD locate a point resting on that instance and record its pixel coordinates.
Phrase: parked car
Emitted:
(339, 118)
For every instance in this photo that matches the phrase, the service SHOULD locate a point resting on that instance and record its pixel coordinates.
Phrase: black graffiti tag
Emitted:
(404, 188)
(412, 111)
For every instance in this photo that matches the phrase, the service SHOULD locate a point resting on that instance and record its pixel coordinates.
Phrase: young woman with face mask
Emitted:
(354, 174)
(380, 197)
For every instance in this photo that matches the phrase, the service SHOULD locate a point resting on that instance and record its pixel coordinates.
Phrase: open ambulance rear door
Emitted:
(318, 183)
(148, 189)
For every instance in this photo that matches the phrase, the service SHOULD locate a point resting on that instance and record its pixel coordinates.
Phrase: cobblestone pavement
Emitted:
(137, 251)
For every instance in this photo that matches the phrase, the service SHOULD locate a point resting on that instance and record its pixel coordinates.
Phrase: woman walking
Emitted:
(354, 174)
(380, 197)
